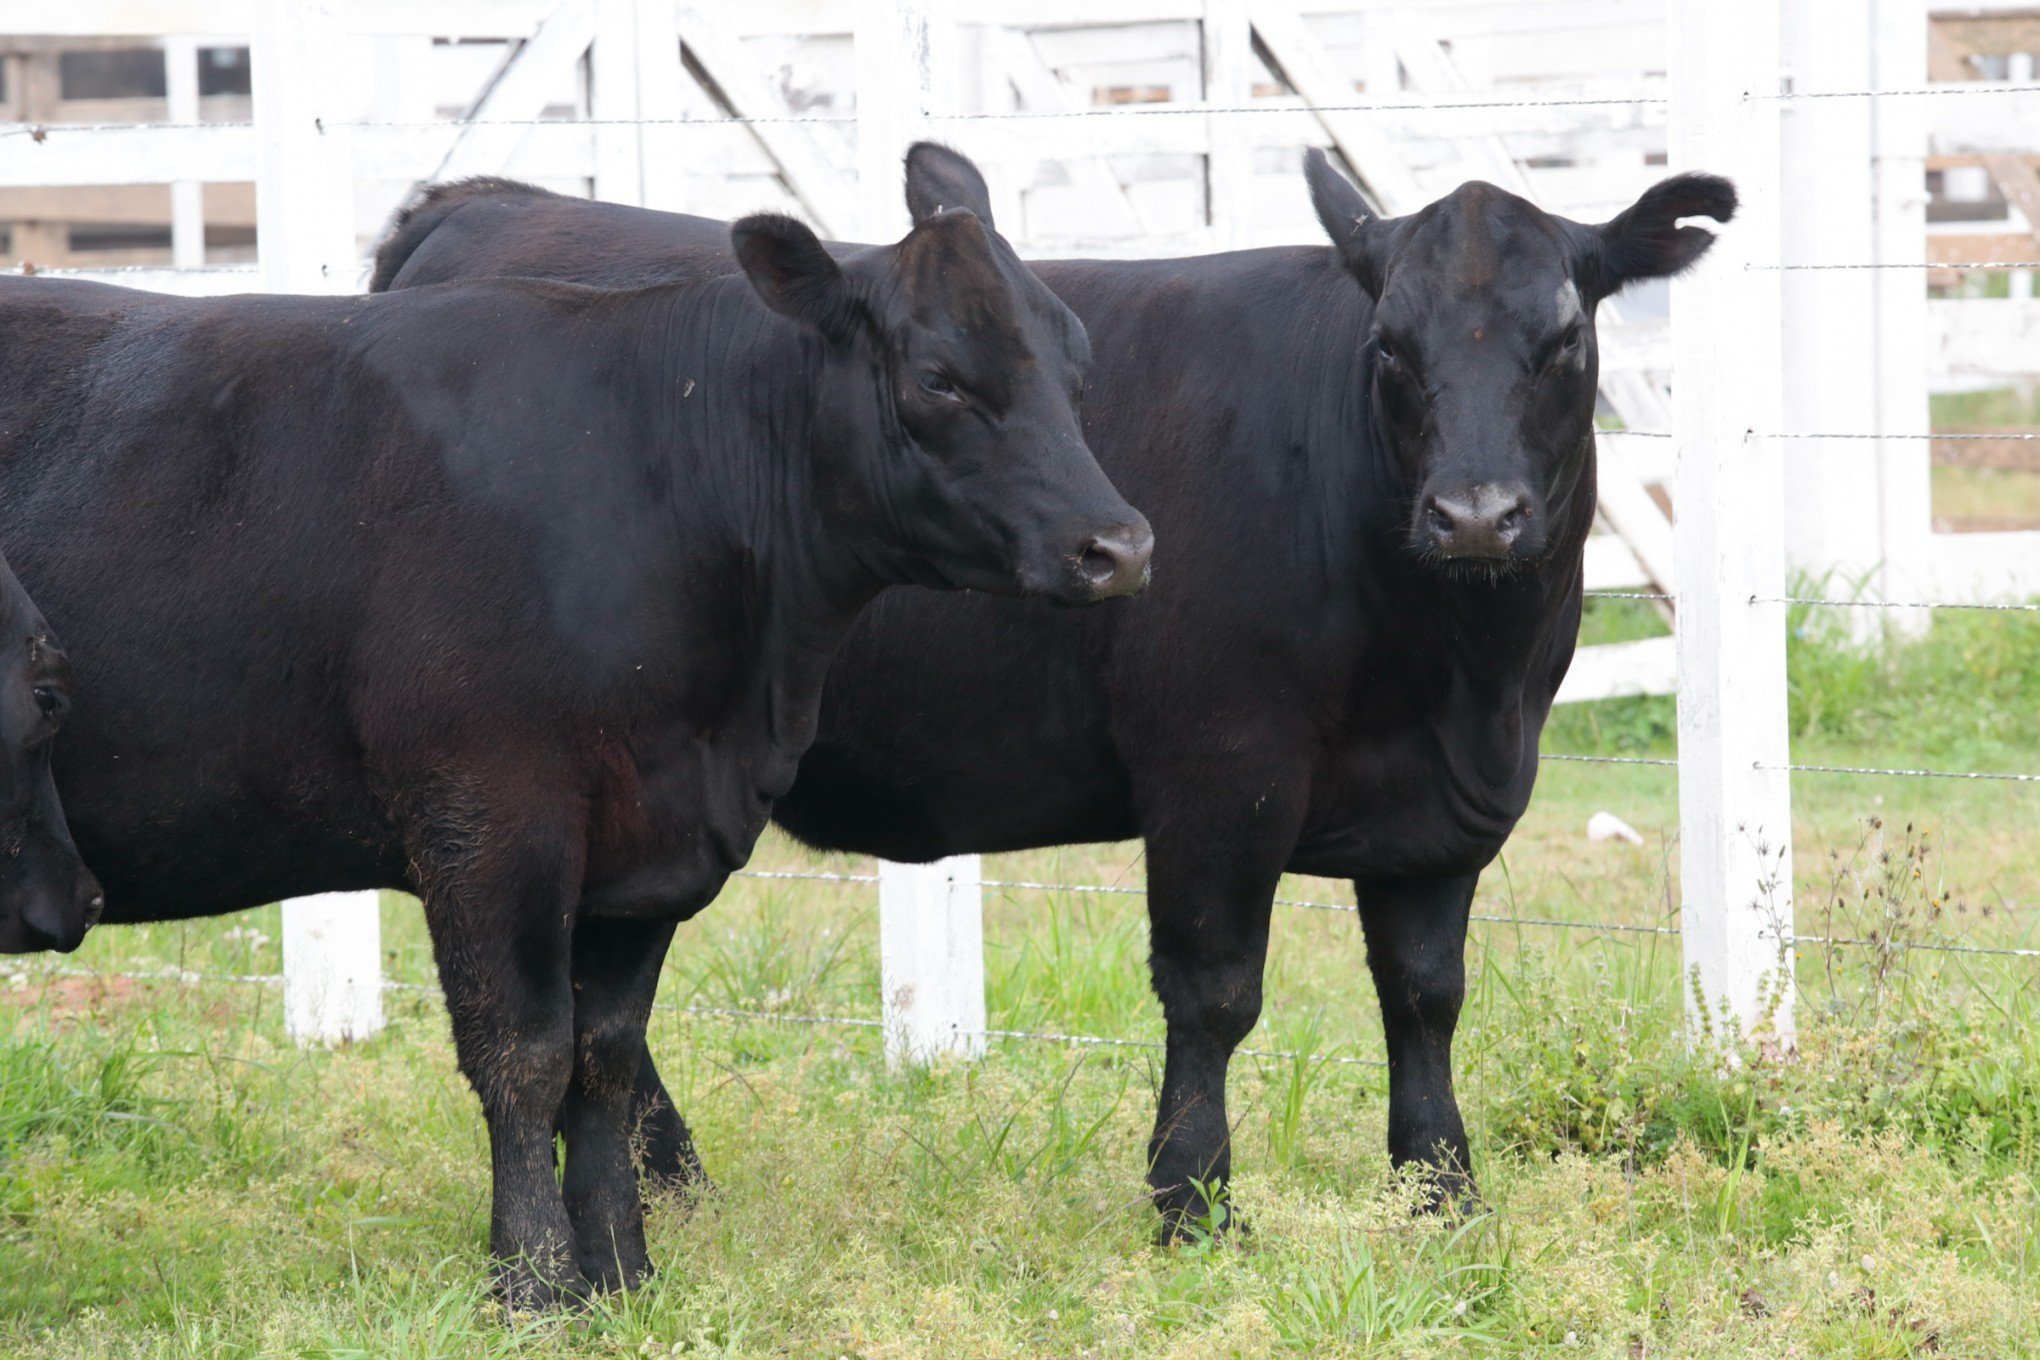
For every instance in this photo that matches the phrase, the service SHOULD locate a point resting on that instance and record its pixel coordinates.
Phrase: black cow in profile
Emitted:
(48, 898)
(520, 595)
(1372, 470)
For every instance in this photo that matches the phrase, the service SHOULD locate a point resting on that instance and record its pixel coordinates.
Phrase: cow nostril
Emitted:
(1440, 518)
(1116, 562)
(1097, 564)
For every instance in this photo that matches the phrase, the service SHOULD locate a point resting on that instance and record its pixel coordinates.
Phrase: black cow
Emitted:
(48, 898)
(520, 595)
(1372, 469)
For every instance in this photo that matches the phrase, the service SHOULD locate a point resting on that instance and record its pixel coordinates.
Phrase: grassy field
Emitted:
(176, 1180)
(1977, 494)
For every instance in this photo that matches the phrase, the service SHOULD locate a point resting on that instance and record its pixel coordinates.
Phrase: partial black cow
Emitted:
(48, 898)
(520, 595)
(1372, 470)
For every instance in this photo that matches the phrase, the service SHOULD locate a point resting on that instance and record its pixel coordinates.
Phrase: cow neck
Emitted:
(737, 387)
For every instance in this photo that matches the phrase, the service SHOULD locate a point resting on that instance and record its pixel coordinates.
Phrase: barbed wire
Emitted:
(1892, 604)
(1994, 775)
(1901, 264)
(1610, 760)
(1952, 88)
(1815, 600)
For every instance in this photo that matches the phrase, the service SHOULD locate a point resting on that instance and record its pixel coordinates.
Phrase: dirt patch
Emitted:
(69, 999)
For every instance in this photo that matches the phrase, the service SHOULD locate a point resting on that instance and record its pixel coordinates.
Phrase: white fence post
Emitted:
(187, 196)
(905, 55)
(931, 946)
(930, 916)
(1228, 82)
(1898, 47)
(332, 968)
(304, 214)
(1735, 800)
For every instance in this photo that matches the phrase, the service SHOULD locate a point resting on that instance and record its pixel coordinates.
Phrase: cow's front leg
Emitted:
(1211, 882)
(500, 914)
(1416, 949)
(616, 974)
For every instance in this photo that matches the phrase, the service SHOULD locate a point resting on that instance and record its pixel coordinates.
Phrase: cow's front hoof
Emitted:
(1447, 1192)
(1195, 1214)
(614, 1273)
(522, 1290)
(684, 1183)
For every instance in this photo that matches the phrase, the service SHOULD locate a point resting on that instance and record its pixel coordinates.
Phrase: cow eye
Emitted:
(938, 385)
(1385, 350)
(52, 701)
(1571, 344)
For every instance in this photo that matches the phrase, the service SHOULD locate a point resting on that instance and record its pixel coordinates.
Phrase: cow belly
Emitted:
(1016, 796)
(667, 831)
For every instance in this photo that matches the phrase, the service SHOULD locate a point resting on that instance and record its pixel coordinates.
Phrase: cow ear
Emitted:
(1646, 241)
(939, 179)
(1355, 230)
(793, 274)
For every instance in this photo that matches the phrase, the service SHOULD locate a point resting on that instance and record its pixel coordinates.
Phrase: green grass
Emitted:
(177, 1180)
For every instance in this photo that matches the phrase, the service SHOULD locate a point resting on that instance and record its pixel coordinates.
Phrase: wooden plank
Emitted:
(520, 92)
(808, 169)
(2018, 178)
(1898, 52)
(1229, 72)
(1735, 797)
(1040, 92)
(1616, 670)
(1983, 338)
(1610, 565)
(187, 196)
(427, 18)
(1359, 137)
(1986, 568)
(217, 281)
(1948, 248)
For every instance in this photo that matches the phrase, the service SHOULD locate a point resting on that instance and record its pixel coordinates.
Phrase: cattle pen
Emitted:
(1787, 435)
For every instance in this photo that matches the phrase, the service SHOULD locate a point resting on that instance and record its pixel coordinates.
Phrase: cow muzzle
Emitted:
(1488, 522)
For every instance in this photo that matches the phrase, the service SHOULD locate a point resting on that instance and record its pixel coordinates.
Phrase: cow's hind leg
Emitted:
(667, 1159)
(1211, 883)
(499, 904)
(1416, 949)
(616, 974)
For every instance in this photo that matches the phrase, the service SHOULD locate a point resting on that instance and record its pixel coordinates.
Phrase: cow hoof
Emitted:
(613, 1276)
(1193, 1217)
(687, 1186)
(523, 1291)
(1449, 1194)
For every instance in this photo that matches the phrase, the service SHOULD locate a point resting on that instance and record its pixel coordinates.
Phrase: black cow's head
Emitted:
(1483, 355)
(950, 381)
(48, 898)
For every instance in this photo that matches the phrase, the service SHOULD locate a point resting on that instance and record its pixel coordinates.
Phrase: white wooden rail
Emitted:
(1836, 181)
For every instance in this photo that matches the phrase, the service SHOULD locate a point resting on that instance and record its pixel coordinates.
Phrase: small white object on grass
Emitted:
(1606, 826)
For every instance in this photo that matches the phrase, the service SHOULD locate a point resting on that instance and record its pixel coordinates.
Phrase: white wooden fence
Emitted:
(1809, 322)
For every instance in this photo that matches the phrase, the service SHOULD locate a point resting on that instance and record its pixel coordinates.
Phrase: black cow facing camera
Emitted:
(1482, 354)
(48, 898)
